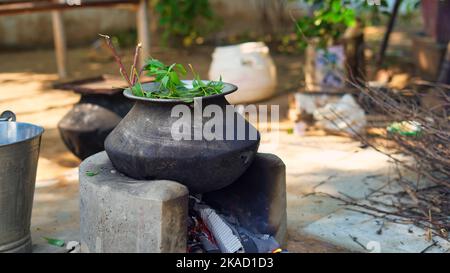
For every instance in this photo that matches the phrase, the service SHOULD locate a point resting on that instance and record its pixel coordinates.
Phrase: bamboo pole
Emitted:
(59, 37)
(142, 22)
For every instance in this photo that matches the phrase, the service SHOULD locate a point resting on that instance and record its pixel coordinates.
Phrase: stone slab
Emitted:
(343, 226)
(120, 214)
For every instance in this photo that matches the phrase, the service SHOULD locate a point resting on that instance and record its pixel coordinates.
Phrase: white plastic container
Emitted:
(247, 65)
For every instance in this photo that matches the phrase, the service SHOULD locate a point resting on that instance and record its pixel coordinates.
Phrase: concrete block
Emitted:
(258, 198)
(120, 214)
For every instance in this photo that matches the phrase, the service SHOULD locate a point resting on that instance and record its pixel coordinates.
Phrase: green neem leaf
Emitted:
(174, 78)
(165, 81)
(171, 66)
(91, 173)
(55, 242)
(154, 63)
(137, 90)
(336, 6)
(171, 86)
(181, 69)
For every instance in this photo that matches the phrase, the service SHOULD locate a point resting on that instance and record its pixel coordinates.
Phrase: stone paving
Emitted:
(321, 167)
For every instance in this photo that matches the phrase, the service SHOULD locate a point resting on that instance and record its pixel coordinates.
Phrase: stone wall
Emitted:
(254, 15)
(83, 25)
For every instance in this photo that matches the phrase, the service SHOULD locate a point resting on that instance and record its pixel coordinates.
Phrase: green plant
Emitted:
(329, 21)
(330, 18)
(187, 19)
(55, 242)
(171, 87)
(168, 77)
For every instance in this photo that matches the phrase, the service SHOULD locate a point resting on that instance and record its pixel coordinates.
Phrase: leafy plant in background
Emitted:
(373, 14)
(185, 19)
(329, 20)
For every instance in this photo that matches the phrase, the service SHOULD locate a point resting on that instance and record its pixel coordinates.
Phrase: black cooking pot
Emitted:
(146, 144)
(85, 127)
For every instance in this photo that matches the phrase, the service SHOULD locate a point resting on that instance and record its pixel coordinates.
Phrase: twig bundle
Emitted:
(427, 208)
(430, 147)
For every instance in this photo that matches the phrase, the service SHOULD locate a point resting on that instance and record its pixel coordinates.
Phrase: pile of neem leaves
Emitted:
(171, 87)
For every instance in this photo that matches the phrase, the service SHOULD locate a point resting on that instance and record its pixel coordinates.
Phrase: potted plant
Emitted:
(153, 143)
(100, 108)
(334, 43)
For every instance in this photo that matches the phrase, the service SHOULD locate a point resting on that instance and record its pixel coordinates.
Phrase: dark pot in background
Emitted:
(142, 146)
(85, 127)
(101, 107)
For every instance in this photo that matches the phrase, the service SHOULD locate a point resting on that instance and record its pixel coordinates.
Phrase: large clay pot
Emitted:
(248, 65)
(142, 145)
(85, 127)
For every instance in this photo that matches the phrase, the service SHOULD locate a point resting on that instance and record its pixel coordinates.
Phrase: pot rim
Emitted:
(37, 131)
(228, 89)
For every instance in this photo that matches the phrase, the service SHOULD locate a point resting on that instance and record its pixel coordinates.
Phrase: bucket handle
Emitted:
(7, 116)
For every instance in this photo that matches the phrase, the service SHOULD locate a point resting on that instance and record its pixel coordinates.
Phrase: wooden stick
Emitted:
(142, 22)
(387, 35)
(29, 6)
(118, 59)
(59, 37)
(135, 64)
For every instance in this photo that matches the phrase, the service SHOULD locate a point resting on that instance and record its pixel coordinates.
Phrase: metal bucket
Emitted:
(19, 153)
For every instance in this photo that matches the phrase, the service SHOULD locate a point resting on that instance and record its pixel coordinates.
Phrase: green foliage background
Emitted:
(185, 20)
(330, 18)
